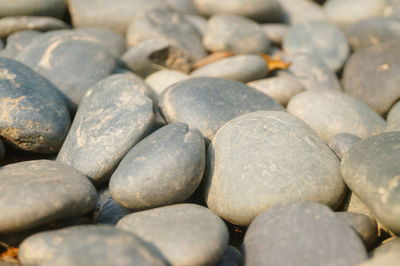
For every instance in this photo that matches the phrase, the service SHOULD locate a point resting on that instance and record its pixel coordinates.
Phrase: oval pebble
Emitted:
(51, 191)
(185, 234)
(281, 159)
(301, 11)
(160, 80)
(208, 103)
(301, 233)
(33, 116)
(341, 143)
(17, 42)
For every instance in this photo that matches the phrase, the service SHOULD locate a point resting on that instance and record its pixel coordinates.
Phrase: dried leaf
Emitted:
(275, 63)
(10, 253)
(211, 58)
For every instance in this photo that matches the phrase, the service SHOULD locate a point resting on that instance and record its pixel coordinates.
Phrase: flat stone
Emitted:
(231, 257)
(310, 232)
(115, 15)
(114, 115)
(239, 35)
(275, 32)
(171, 26)
(159, 81)
(344, 13)
(185, 234)
(208, 103)
(393, 118)
(373, 31)
(108, 211)
(371, 171)
(327, 112)
(371, 68)
(280, 88)
(34, 116)
(16, 42)
(51, 191)
(52, 8)
(258, 10)
(300, 11)
(341, 143)
(320, 38)
(164, 168)
(272, 166)
(9, 25)
(102, 245)
(365, 227)
(312, 72)
(242, 68)
(70, 61)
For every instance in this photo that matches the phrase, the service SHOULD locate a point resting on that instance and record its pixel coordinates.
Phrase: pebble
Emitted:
(236, 34)
(115, 15)
(52, 8)
(12, 24)
(365, 227)
(320, 38)
(371, 68)
(373, 31)
(281, 159)
(185, 234)
(177, 151)
(183, 6)
(344, 13)
(280, 88)
(301, 233)
(208, 103)
(393, 118)
(341, 143)
(114, 115)
(243, 68)
(231, 257)
(199, 22)
(167, 25)
(70, 61)
(371, 171)
(17, 42)
(258, 10)
(33, 116)
(103, 245)
(160, 80)
(301, 11)
(51, 191)
(391, 245)
(327, 112)
(275, 32)
(392, 259)
(353, 204)
(108, 211)
(392, 9)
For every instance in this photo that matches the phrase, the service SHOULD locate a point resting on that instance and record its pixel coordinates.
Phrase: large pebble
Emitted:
(185, 234)
(393, 118)
(242, 68)
(17, 42)
(166, 25)
(300, 11)
(72, 62)
(159, 81)
(226, 32)
(112, 15)
(371, 68)
(371, 170)
(87, 245)
(33, 116)
(281, 159)
(53, 8)
(259, 10)
(320, 38)
(327, 112)
(342, 142)
(108, 211)
(113, 116)
(51, 191)
(164, 168)
(301, 234)
(208, 103)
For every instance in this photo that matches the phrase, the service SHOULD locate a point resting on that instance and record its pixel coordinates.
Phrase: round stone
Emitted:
(52, 8)
(167, 25)
(301, 233)
(208, 103)
(159, 81)
(33, 116)
(87, 245)
(236, 34)
(300, 11)
(341, 143)
(242, 68)
(108, 211)
(17, 42)
(164, 168)
(281, 159)
(371, 171)
(327, 112)
(185, 234)
(259, 10)
(72, 62)
(393, 118)
(51, 191)
(113, 116)
(371, 68)
(319, 38)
